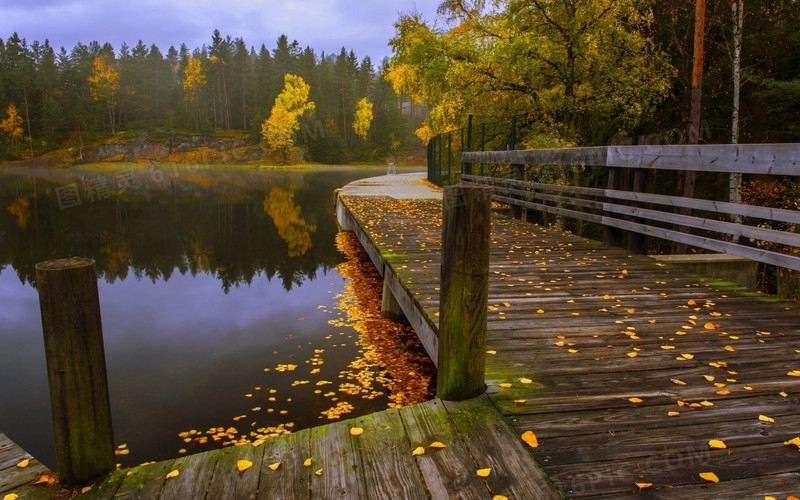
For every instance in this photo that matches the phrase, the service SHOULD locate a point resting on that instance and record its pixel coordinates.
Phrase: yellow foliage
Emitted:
(284, 119)
(104, 80)
(21, 208)
(293, 229)
(194, 79)
(363, 118)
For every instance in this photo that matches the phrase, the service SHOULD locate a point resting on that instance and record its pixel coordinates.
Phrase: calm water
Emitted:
(218, 292)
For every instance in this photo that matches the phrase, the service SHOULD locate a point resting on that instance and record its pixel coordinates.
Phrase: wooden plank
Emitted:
(389, 469)
(337, 459)
(107, 487)
(194, 475)
(421, 322)
(11, 476)
(515, 474)
(145, 481)
(570, 156)
(227, 481)
(291, 479)
(448, 472)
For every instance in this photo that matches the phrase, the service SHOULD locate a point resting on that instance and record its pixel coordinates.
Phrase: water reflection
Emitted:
(210, 280)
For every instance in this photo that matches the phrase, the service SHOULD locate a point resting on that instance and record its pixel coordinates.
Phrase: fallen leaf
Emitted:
(499, 497)
(437, 444)
(11, 496)
(491, 352)
(318, 471)
(23, 463)
(643, 485)
(526, 380)
(716, 443)
(673, 414)
(307, 462)
(243, 465)
(635, 400)
(765, 418)
(710, 378)
(356, 431)
(520, 401)
(274, 466)
(794, 373)
(677, 382)
(729, 348)
(505, 385)
(86, 489)
(633, 354)
(173, 474)
(794, 441)
(530, 438)
(688, 356)
(709, 326)
(484, 472)
(723, 392)
(709, 476)
(419, 450)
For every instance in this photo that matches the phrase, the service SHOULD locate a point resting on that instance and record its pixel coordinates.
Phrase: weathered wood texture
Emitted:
(464, 291)
(76, 369)
(579, 329)
(377, 464)
(14, 479)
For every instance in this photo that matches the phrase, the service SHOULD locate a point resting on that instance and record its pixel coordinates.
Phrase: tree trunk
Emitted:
(735, 182)
(697, 91)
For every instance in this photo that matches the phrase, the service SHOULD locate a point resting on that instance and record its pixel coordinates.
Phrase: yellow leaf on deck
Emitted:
(499, 497)
(506, 304)
(504, 385)
(643, 485)
(677, 382)
(45, 479)
(530, 438)
(437, 444)
(274, 466)
(688, 356)
(356, 431)
(710, 378)
(709, 476)
(729, 348)
(526, 380)
(419, 450)
(651, 321)
(668, 347)
(673, 414)
(243, 465)
(635, 400)
(318, 471)
(794, 441)
(484, 472)
(86, 489)
(794, 373)
(765, 418)
(723, 392)
(307, 462)
(633, 354)
(173, 474)
(691, 302)
(520, 401)
(11, 496)
(716, 443)
(23, 463)
(540, 311)
(709, 326)
(491, 352)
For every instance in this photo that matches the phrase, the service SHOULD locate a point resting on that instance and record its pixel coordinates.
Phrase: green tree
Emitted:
(284, 119)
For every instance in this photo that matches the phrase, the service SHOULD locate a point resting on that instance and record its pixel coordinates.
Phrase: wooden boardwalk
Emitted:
(623, 368)
(330, 462)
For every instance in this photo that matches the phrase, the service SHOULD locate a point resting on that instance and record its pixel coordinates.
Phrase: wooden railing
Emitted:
(640, 212)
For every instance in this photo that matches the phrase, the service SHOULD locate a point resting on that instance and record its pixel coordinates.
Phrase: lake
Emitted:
(225, 314)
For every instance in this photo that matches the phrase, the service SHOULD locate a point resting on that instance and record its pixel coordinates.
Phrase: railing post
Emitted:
(468, 166)
(464, 292)
(517, 173)
(612, 236)
(637, 242)
(76, 369)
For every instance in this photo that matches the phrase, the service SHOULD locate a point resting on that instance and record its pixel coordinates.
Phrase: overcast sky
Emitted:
(324, 25)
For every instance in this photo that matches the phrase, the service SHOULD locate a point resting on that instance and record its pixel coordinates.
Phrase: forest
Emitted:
(55, 97)
(571, 72)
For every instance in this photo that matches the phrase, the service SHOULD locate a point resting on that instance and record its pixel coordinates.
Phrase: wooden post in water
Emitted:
(464, 292)
(76, 369)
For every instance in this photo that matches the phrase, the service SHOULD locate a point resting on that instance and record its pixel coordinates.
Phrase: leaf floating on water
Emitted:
(173, 474)
(530, 438)
(419, 450)
(356, 431)
(716, 443)
(710, 477)
(484, 472)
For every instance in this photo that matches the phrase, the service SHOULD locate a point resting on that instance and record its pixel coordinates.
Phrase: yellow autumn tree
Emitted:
(194, 80)
(104, 85)
(363, 118)
(284, 119)
(12, 126)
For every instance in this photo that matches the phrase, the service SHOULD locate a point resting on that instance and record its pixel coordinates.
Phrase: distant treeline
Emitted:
(94, 91)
